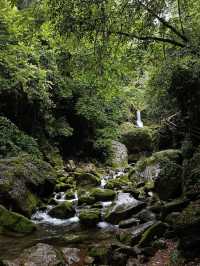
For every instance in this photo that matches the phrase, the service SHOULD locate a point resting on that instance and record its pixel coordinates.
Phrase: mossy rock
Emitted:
(86, 198)
(164, 168)
(61, 186)
(136, 139)
(69, 194)
(155, 231)
(65, 183)
(14, 222)
(90, 217)
(168, 185)
(24, 180)
(63, 210)
(133, 235)
(149, 167)
(86, 179)
(102, 194)
(118, 183)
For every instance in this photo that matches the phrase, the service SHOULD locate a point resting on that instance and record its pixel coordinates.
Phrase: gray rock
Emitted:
(39, 255)
(129, 223)
(123, 207)
(119, 155)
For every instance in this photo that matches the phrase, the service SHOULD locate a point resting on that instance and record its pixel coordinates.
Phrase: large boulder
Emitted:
(124, 206)
(133, 235)
(103, 194)
(86, 179)
(118, 156)
(164, 169)
(14, 222)
(137, 140)
(63, 210)
(148, 168)
(155, 231)
(90, 217)
(168, 185)
(23, 180)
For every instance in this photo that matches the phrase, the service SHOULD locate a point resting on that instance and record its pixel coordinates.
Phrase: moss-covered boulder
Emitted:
(14, 222)
(137, 140)
(133, 235)
(155, 231)
(148, 168)
(129, 223)
(168, 184)
(119, 182)
(90, 217)
(85, 197)
(162, 171)
(122, 208)
(84, 179)
(118, 155)
(63, 210)
(23, 181)
(103, 194)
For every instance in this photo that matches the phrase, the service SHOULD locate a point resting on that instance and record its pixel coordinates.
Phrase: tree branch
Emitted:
(179, 14)
(147, 38)
(164, 22)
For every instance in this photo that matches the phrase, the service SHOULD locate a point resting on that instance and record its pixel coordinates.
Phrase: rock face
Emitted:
(124, 206)
(63, 210)
(46, 255)
(118, 155)
(14, 222)
(22, 181)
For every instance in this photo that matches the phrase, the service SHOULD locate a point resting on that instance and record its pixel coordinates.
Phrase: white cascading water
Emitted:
(139, 122)
(42, 216)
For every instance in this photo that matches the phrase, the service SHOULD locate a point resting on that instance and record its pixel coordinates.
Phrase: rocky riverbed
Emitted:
(99, 216)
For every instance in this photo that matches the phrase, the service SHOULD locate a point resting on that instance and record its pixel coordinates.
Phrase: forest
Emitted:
(99, 132)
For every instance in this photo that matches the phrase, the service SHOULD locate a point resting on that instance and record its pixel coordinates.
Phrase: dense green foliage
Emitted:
(72, 71)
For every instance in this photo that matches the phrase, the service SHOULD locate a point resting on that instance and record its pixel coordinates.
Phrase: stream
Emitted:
(54, 231)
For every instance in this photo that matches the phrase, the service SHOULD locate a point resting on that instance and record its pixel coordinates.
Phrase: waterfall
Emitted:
(139, 122)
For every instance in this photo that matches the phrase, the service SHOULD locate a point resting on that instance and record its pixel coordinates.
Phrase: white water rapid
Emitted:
(42, 216)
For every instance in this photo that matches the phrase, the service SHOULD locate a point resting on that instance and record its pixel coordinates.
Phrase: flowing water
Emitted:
(52, 230)
(139, 122)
